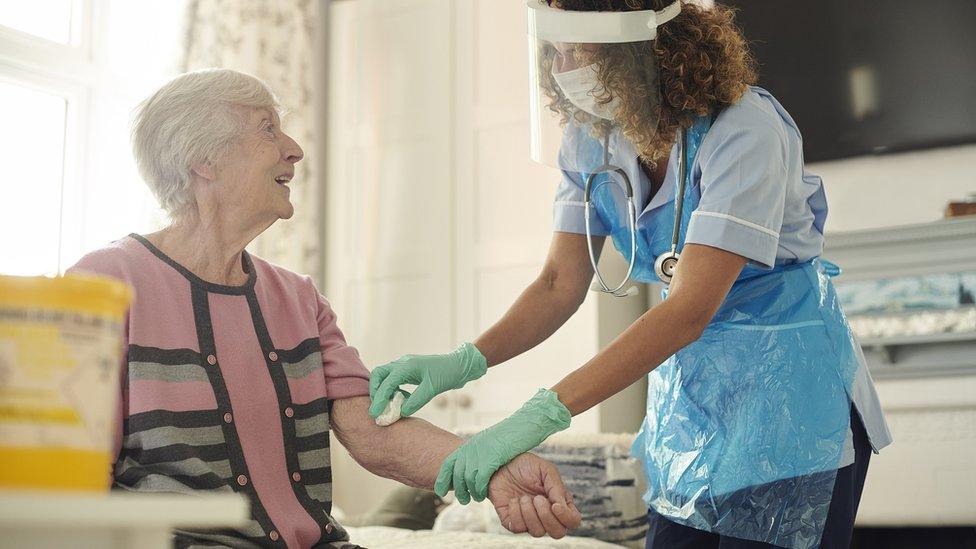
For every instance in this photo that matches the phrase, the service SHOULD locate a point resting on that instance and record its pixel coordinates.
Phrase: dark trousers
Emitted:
(664, 534)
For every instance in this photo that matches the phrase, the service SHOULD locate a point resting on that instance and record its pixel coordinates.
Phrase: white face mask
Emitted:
(580, 85)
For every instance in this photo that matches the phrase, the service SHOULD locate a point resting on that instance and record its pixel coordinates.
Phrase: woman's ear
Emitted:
(205, 170)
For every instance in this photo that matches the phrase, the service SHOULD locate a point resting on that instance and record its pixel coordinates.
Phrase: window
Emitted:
(49, 19)
(71, 71)
(33, 176)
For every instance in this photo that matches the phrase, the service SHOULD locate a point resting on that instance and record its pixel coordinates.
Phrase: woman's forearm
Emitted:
(648, 342)
(410, 451)
(541, 310)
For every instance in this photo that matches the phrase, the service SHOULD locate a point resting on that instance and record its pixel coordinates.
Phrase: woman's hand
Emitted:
(470, 467)
(529, 496)
(432, 374)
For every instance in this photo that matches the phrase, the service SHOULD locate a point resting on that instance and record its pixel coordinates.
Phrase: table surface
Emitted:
(51, 510)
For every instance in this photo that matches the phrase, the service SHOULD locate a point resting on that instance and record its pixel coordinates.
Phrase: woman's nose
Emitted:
(293, 152)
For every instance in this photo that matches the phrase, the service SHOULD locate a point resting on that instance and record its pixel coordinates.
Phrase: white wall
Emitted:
(895, 189)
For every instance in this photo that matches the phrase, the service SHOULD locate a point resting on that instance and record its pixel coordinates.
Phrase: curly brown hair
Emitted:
(699, 63)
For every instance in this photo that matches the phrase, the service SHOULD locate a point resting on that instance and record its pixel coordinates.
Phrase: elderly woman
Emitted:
(236, 369)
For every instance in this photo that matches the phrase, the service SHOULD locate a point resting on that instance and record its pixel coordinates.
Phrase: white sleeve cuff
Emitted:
(752, 241)
(568, 218)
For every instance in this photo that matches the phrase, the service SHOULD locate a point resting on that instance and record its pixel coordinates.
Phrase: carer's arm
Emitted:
(547, 303)
(701, 283)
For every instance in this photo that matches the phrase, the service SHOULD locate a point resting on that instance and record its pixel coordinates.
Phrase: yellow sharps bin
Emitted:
(60, 354)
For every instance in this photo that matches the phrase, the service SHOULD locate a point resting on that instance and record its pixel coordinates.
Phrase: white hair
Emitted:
(188, 122)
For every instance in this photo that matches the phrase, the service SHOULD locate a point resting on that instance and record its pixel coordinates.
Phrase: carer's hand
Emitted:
(470, 467)
(432, 374)
(529, 496)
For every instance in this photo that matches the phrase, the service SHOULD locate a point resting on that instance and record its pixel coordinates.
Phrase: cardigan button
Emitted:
(211, 360)
(242, 480)
(273, 356)
(273, 535)
(289, 412)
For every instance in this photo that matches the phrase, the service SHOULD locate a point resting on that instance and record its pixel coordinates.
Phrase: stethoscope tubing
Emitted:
(632, 219)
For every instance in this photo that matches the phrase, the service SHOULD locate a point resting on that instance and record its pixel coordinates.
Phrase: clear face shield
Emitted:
(567, 52)
(571, 55)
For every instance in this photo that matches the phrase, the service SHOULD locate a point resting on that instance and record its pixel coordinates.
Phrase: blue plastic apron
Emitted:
(745, 427)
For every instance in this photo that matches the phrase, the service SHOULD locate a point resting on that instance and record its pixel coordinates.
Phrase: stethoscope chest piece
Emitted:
(665, 266)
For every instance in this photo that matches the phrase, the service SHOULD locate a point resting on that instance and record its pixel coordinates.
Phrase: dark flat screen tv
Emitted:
(868, 76)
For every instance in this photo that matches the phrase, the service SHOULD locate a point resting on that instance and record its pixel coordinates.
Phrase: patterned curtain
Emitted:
(273, 40)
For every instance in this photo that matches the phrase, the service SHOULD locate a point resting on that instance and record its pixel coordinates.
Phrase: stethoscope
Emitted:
(667, 262)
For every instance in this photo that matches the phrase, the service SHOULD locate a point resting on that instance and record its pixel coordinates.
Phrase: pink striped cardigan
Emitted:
(227, 388)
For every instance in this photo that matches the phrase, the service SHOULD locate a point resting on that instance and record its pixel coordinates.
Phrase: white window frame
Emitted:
(80, 73)
(66, 70)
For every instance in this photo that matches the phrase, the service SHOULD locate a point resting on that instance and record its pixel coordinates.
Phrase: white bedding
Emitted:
(383, 537)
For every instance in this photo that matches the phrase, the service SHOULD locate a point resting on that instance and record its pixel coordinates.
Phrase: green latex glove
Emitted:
(471, 466)
(432, 374)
